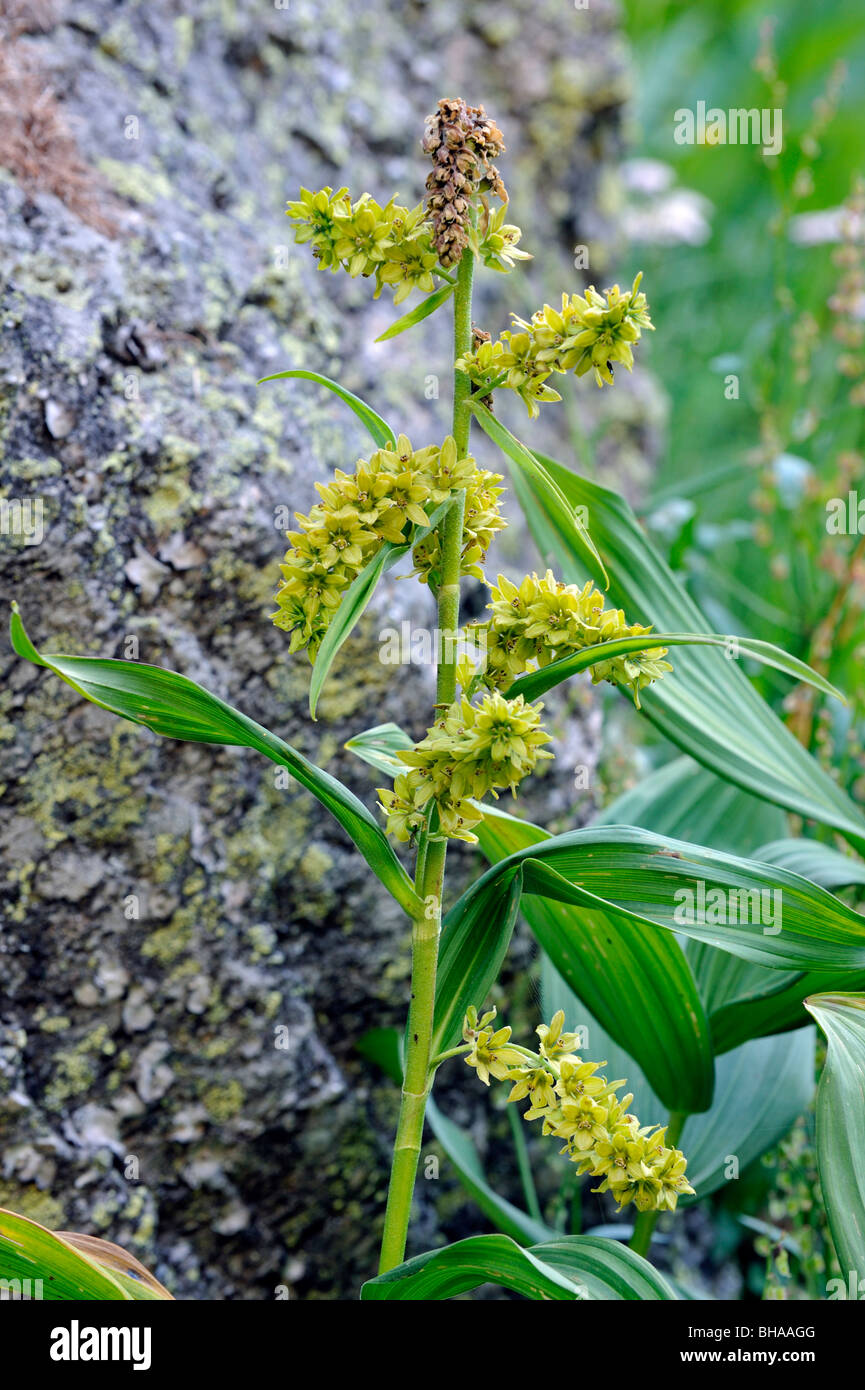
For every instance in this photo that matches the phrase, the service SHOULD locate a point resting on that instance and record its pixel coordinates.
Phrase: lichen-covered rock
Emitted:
(190, 950)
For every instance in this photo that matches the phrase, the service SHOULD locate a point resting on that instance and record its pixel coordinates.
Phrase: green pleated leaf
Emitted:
(608, 1270)
(379, 429)
(175, 707)
(668, 883)
(475, 937)
(419, 313)
(761, 1088)
(752, 1010)
(841, 1126)
(134, 1277)
(746, 1000)
(30, 1252)
(561, 513)
(638, 984)
(379, 746)
(811, 859)
(536, 683)
(709, 708)
(575, 1267)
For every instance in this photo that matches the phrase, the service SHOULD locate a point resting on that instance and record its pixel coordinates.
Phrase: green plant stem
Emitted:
(644, 1225)
(426, 927)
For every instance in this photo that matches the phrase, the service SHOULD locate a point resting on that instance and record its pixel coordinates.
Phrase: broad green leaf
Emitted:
(443, 1274)
(638, 984)
(607, 1270)
(379, 747)
(841, 1125)
(536, 683)
(379, 429)
(475, 937)
(688, 801)
(668, 883)
(709, 708)
(355, 600)
(29, 1251)
(760, 1090)
(816, 861)
(129, 1272)
(419, 313)
(175, 707)
(747, 1000)
(750, 1010)
(549, 496)
(575, 1267)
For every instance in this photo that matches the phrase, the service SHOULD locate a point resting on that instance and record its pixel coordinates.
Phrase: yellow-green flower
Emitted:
(574, 1103)
(470, 751)
(317, 217)
(386, 499)
(542, 620)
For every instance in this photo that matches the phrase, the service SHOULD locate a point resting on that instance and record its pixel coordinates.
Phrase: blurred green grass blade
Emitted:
(638, 985)
(421, 311)
(710, 709)
(377, 427)
(509, 1219)
(536, 683)
(575, 1267)
(30, 1251)
(175, 707)
(546, 491)
(841, 1126)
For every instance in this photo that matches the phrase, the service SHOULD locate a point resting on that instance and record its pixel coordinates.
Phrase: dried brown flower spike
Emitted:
(462, 141)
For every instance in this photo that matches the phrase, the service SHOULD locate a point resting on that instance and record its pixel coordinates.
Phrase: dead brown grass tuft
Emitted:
(36, 144)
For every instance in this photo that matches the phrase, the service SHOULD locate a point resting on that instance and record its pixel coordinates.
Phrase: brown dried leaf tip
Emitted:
(462, 142)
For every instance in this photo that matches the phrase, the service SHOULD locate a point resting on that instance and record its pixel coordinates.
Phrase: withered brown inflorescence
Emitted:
(462, 142)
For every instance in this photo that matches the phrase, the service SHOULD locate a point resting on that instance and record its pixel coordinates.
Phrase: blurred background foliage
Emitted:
(750, 276)
(754, 269)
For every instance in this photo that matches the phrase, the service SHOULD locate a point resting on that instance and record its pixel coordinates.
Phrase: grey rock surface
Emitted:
(188, 952)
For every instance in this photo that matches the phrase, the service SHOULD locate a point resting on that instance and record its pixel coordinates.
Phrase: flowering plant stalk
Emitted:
(614, 927)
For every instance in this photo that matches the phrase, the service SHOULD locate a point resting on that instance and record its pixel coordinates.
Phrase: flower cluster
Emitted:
(392, 243)
(482, 518)
(462, 142)
(385, 498)
(469, 751)
(540, 620)
(498, 246)
(633, 1162)
(588, 333)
